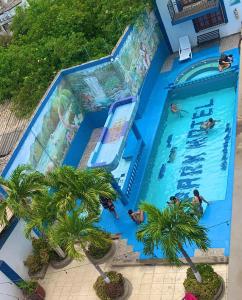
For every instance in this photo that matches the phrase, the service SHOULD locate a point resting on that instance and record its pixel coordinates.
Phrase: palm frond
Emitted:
(3, 213)
(77, 228)
(169, 228)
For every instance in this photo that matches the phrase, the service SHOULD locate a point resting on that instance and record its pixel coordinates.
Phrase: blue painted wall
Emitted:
(79, 143)
(9, 272)
(98, 119)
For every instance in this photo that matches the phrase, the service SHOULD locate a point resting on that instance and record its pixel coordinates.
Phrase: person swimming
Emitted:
(177, 110)
(173, 200)
(209, 124)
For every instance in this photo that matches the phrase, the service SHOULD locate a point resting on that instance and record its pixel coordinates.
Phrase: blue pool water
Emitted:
(203, 68)
(185, 157)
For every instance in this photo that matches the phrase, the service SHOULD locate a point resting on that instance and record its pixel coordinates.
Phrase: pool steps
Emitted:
(126, 256)
(133, 170)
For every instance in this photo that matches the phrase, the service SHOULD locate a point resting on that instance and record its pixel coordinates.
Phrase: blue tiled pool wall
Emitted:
(47, 140)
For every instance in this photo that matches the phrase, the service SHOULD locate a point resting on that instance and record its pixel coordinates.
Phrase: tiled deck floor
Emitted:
(148, 282)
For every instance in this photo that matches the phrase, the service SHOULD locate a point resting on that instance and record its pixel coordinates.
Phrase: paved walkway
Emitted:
(148, 282)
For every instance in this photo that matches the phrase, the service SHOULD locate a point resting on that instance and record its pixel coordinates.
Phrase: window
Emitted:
(209, 20)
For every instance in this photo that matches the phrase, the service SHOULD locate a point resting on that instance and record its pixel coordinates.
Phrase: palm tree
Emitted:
(78, 229)
(171, 229)
(88, 185)
(27, 196)
(23, 184)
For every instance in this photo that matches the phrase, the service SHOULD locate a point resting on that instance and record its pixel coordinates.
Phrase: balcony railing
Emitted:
(188, 12)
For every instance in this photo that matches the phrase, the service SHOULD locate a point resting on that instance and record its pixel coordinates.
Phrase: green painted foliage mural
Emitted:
(99, 86)
(89, 90)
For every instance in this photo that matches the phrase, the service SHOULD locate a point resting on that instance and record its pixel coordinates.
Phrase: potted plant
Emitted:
(32, 290)
(100, 254)
(211, 287)
(113, 290)
(38, 261)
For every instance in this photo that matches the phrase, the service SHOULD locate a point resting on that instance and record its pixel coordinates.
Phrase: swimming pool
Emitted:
(184, 157)
(210, 162)
(206, 67)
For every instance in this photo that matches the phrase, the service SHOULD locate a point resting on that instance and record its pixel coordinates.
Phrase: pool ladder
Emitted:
(134, 170)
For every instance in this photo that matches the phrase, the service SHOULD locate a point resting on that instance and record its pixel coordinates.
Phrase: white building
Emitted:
(197, 17)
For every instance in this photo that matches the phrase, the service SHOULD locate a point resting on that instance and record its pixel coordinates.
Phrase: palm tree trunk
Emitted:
(191, 264)
(97, 267)
(59, 251)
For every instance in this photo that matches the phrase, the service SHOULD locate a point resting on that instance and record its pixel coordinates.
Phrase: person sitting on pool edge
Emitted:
(225, 62)
(173, 200)
(136, 216)
(209, 124)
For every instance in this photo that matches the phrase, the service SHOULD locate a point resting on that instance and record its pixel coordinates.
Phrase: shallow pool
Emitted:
(201, 69)
(184, 157)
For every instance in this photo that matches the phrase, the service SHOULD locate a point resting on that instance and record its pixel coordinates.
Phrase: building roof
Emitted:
(10, 4)
(11, 129)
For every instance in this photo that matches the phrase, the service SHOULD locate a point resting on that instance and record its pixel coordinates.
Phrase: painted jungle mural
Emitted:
(137, 53)
(88, 90)
(99, 86)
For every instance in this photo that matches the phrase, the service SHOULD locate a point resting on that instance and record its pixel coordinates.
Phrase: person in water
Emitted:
(225, 62)
(209, 124)
(108, 204)
(197, 201)
(173, 200)
(177, 110)
(136, 216)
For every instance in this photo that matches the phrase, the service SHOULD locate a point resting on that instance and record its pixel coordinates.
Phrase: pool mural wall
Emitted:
(123, 75)
(78, 91)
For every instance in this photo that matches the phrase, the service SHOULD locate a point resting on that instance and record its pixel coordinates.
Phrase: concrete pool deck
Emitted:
(148, 282)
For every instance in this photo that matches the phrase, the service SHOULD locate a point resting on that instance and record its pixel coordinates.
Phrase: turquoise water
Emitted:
(198, 159)
(201, 69)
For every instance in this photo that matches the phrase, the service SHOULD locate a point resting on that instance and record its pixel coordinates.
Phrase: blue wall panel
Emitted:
(79, 144)
(98, 119)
